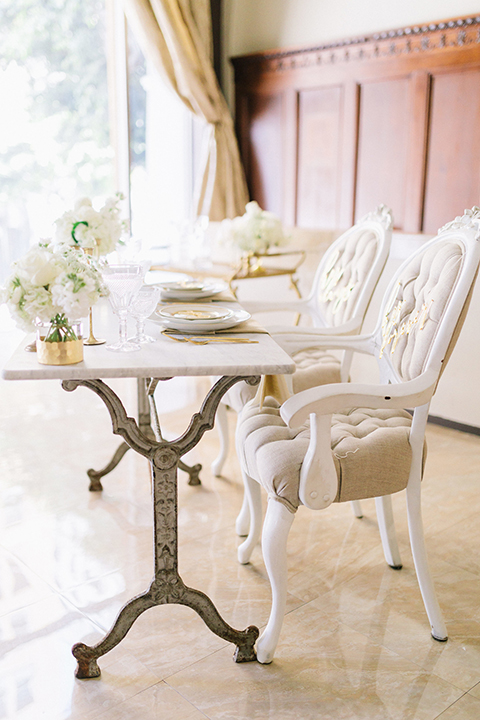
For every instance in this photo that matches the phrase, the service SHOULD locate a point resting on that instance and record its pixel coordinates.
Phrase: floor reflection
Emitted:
(355, 642)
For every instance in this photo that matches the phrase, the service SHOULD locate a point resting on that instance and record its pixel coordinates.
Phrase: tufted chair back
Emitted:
(415, 326)
(349, 270)
(341, 281)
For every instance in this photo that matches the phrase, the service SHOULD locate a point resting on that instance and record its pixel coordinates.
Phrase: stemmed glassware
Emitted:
(123, 281)
(142, 306)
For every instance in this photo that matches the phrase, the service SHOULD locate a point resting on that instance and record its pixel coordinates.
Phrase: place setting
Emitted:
(192, 289)
(190, 310)
(202, 323)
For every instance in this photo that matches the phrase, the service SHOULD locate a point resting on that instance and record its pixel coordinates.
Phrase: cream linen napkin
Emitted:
(272, 386)
(249, 326)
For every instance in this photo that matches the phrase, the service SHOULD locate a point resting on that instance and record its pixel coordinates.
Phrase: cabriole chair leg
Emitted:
(221, 423)
(253, 493)
(356, 508)
(242, 523)
(278, 521)
(386, 525)
(417, 542)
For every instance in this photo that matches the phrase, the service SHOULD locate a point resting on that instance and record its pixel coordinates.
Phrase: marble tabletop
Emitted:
(163, 358)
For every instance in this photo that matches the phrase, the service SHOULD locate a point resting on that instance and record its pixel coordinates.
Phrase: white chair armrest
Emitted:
(347, 328)
(328, 399)
(295, 305)
(317, 337)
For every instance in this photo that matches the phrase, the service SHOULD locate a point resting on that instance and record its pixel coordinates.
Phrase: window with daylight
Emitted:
(84, 115)
(163, 146)
(54, 130)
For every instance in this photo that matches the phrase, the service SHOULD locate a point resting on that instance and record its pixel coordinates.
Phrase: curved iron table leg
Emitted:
(145, 425)
(96, 475)
(167, 585)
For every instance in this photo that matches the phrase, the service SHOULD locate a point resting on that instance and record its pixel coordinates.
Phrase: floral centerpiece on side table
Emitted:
(93, 230)
(253, 233)
(55, 287)
(96, 232)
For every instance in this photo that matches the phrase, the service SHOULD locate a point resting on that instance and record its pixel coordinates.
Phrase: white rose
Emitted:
(37, 267)
(46, 274)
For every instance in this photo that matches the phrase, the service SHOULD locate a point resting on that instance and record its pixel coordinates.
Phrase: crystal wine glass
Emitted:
(123, 281)
(143, 304)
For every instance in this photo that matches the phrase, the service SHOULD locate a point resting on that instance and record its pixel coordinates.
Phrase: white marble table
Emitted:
(161, 360)
(164, 358)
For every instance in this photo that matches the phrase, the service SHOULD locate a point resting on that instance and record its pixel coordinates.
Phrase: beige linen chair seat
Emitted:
(274, 453)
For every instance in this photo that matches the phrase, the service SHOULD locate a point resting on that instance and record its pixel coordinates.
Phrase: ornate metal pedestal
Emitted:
(144, 402)
(167, 585)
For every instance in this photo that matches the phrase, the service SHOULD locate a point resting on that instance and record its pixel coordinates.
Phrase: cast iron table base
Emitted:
(167, 587)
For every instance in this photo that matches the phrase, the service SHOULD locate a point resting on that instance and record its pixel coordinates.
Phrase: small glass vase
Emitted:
(60, 341)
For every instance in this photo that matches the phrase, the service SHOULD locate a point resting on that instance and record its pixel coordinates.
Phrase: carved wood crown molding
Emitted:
(442, 35)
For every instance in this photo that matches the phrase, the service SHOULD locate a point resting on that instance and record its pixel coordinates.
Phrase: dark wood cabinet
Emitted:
(328, 133)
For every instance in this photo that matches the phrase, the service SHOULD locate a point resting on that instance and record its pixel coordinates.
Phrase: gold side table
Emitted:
(252, 265)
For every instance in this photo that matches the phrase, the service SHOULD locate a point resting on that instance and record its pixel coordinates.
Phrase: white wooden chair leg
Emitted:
(253, 494)
(242, 523)
(221, 423)
(417, 541)
(356, 508)
(386, 525)
(278, 522)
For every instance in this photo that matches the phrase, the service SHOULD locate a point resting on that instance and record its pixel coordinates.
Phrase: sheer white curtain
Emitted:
(176, 36)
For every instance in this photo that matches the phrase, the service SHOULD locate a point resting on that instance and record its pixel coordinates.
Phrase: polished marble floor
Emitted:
(355, 641)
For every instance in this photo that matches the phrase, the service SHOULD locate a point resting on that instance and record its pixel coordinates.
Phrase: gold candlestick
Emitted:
(91, 340)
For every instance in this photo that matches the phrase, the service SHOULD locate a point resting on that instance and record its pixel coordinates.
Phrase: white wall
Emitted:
(254, 25)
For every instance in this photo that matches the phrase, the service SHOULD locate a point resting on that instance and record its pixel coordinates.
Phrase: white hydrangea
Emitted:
(49, 281)
(74, 292)
(255, 231)
(86, 227)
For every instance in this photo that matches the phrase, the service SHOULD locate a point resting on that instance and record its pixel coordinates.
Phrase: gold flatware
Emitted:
(201, 340)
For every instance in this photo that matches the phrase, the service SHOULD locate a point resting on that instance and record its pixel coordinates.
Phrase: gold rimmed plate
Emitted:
(194, 312)
(196, 317)
(190, 289)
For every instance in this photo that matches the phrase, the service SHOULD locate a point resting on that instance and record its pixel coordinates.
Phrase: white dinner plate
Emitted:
(196, 325)
(194, 312)
(190, 289)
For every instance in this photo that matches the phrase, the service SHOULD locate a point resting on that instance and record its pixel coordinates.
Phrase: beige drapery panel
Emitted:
(175, 36)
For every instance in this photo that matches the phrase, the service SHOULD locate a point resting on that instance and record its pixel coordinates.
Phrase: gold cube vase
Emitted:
(59, 353)
(67, 352)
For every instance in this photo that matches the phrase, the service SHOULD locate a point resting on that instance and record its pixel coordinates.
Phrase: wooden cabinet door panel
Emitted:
(453, 163)
(319, 157)
(382, 147)
(265, 151)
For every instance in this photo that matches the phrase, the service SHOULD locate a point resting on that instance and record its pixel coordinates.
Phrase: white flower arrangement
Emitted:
(85, 227)
(255, 231)
(52, 284)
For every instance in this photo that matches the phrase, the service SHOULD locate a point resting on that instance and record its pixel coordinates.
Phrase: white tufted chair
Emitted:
(343, 285)
(350, 441)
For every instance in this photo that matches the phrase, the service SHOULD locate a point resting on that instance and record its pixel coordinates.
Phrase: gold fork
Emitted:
(195, 340)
